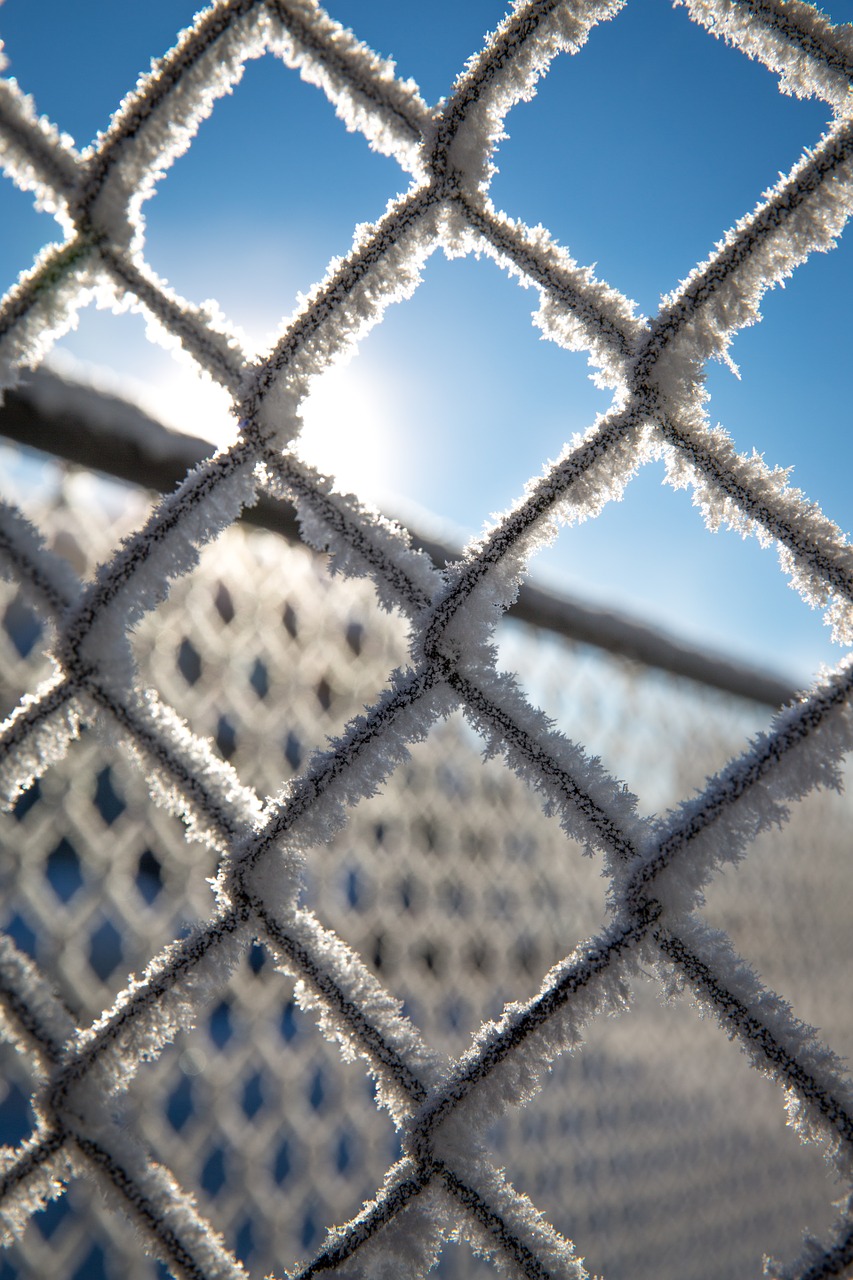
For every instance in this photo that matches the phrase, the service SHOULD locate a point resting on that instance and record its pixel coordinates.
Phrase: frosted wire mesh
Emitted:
(406, 919)
(452, 884)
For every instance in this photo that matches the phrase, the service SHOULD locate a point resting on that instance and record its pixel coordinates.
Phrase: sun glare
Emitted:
(347, 433)
(193, 404)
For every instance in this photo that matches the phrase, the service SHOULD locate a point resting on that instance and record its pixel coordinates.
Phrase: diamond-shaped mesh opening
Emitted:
(205, 240)
(589, 691)
(425, 884)
(650, 553)
(793, 927)
(230, 671)
(259, 1117)
(479, 399)
(758, 135)
(783, 381)
(630, 1149)
(92, 893)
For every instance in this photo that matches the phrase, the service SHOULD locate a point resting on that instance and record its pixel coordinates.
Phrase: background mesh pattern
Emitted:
(451, 888)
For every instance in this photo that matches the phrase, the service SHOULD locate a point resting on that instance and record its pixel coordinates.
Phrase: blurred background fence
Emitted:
(455, 888)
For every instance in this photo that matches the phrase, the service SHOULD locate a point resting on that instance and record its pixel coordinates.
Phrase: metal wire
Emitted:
(444, 1185)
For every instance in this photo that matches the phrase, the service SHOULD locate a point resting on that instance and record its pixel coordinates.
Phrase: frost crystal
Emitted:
(444, 1187)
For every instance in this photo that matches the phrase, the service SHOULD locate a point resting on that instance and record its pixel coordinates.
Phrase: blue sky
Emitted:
(637, 154)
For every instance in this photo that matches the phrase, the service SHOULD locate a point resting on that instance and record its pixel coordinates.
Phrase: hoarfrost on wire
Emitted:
(445, 1186)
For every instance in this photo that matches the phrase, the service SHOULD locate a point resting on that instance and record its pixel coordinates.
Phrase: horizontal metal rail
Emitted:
(91, 428)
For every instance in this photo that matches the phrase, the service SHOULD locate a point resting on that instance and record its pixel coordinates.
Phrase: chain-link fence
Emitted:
(437, 923)
(455, 888)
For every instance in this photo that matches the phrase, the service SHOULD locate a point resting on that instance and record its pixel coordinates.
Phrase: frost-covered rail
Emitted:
(444, 1185)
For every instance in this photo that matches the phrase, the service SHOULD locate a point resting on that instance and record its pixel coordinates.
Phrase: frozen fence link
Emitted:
(222, 915)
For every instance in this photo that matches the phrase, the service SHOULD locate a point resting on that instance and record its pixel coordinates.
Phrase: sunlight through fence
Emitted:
(434, 930)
